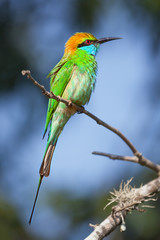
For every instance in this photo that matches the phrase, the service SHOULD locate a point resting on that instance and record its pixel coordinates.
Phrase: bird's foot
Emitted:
(80, 111)
(69, 103)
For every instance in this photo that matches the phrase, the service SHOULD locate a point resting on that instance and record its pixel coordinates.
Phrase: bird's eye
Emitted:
(87, 42)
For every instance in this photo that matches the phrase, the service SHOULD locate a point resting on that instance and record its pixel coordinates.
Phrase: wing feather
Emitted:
(60, 76)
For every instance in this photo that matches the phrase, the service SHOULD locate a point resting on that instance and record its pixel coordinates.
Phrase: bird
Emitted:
(73, 78)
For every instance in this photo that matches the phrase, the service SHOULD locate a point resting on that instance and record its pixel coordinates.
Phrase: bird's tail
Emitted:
(46, 163)
(35, 200)
(44, 171)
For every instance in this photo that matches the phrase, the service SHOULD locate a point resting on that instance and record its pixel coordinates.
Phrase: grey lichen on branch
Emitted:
(127, 199)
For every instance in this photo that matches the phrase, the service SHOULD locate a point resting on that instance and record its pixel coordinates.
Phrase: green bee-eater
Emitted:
(73, 78)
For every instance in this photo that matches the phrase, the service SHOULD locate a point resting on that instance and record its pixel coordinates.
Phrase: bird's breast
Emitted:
(80, 86)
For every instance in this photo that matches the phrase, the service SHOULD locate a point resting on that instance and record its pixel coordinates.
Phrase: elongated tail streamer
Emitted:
(39, 184)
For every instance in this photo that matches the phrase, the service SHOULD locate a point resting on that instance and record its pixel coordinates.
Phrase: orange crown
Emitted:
(78, 38)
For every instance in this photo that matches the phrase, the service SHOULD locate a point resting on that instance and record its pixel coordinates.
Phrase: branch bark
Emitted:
(144, 161)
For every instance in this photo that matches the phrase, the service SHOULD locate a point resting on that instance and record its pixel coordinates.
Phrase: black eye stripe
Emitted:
(86, 44)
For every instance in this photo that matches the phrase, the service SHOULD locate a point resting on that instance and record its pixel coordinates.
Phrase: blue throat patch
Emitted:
(91, 49)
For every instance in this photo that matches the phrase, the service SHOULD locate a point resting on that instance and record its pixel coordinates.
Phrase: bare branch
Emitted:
(82, 110)
(143, 161)
(119, 213)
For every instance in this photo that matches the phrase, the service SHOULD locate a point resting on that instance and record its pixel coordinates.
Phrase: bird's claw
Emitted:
(69, 103)
(80, 111)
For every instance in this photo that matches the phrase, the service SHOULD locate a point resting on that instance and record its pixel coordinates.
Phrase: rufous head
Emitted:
(76, 40)
(85, 41)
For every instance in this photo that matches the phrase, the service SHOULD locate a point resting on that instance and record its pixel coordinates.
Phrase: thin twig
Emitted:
(144, 161)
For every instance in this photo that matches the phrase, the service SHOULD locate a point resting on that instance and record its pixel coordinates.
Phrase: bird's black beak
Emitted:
(106, 39)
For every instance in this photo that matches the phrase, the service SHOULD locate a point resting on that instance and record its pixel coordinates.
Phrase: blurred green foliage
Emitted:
(11, 59)
(152, 7)
(11, 227)
(90, 10)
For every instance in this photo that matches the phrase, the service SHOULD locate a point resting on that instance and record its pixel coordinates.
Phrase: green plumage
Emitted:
(80, 63)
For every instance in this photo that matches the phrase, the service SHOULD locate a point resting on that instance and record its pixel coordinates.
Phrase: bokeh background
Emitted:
(127, 96)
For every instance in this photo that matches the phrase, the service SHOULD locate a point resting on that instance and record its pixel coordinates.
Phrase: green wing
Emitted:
(60, 76)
